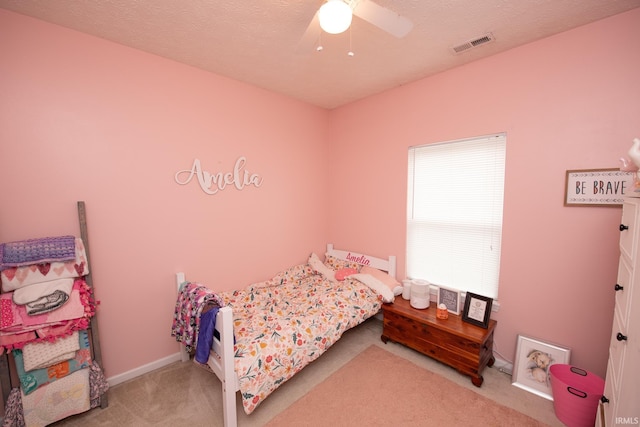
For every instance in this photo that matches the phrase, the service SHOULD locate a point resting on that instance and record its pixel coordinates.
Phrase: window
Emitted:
(454, 213)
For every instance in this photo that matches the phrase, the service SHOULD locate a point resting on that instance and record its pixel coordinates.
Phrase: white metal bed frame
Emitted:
(221, 359)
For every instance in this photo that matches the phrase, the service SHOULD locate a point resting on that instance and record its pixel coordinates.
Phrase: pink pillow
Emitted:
(389, 281)
(344, 272)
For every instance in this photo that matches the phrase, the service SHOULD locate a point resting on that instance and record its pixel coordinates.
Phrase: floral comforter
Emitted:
(283, 324)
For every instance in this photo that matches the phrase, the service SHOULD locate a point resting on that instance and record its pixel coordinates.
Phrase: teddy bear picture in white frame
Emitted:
(533, 360)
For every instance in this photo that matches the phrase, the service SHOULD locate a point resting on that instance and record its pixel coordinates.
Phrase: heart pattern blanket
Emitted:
(16, 277)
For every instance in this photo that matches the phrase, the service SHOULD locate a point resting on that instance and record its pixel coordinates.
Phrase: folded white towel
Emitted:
(45, 296)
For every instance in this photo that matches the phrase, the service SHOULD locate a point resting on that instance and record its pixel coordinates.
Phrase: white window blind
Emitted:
(454, 213)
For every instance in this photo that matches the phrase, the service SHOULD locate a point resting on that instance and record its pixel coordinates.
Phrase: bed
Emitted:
(268, 331)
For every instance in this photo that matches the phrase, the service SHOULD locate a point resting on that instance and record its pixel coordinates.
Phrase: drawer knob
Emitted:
(621, 337)
(618, 287)
(623, 227)
(603, 399)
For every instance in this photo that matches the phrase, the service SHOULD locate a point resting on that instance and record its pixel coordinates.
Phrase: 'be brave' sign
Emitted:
(597, 187)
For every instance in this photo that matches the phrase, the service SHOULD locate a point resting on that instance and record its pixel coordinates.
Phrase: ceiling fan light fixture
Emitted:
(335, 16)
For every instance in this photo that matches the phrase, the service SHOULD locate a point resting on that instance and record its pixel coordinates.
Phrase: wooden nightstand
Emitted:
(461, 345)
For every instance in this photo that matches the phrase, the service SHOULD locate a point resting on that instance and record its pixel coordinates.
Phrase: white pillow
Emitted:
(317, 266)
(376, 285)
(385, 278)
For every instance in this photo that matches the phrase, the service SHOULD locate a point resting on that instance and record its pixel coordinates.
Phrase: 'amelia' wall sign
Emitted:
(212, 183)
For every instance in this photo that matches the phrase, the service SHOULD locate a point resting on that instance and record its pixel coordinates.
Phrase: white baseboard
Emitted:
(144, 369)
(500, 364)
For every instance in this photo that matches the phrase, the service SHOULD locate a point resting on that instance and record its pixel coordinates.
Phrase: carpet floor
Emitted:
(182, 394)
(378, 388)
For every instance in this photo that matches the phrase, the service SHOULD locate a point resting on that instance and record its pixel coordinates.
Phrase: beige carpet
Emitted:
(379, 388)
(182, 394)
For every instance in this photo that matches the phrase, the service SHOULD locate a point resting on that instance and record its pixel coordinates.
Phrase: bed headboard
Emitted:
(388, 265)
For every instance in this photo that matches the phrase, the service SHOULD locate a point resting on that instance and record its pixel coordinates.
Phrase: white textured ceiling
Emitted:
(257, 41)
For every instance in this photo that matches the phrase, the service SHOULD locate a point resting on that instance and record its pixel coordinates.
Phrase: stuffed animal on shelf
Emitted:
(632, 164)
(634, 152)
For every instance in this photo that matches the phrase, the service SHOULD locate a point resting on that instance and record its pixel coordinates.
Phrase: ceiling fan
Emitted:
(334, 17)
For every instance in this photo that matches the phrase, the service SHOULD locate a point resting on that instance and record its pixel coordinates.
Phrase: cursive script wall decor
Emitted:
(212, 183)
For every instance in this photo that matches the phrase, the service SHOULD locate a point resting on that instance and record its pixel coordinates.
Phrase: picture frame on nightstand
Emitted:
(450, 298)
(477, 310)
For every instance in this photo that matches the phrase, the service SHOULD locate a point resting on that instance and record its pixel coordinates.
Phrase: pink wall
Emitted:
(571, 101)
(86, 119)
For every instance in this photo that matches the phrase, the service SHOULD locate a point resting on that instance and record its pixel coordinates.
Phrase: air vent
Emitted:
(487, 38)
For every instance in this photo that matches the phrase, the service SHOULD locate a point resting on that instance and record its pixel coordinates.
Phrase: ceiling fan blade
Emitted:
(383, 18)
(309, 39)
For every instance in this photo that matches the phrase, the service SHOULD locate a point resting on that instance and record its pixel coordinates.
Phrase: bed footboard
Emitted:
(222, 363)
(221, 360)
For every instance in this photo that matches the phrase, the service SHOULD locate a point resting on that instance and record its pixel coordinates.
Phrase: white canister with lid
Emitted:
(420, 297)
(406, 289)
